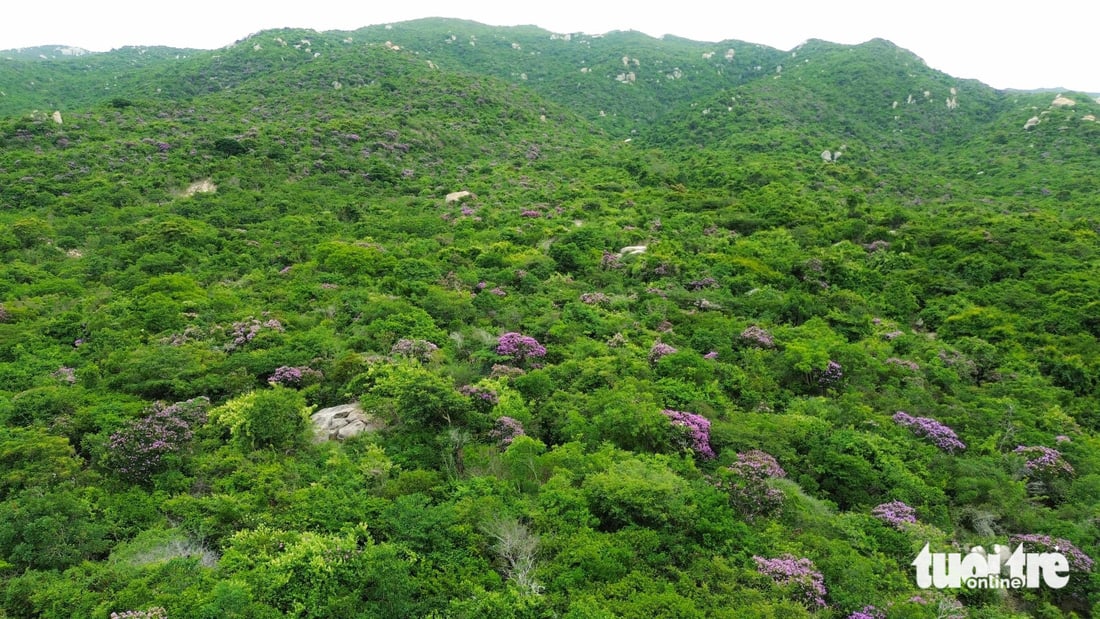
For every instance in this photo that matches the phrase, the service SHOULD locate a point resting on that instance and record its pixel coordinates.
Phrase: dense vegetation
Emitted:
(719, 330)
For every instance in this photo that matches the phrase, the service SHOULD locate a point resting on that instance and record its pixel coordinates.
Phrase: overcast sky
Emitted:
(1005, 45)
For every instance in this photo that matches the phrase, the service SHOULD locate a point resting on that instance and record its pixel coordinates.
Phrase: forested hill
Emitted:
(632, 327)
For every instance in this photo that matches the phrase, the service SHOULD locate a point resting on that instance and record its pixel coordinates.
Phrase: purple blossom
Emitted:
(758, 336)
(245, 331)
(695, 429)
(749, 490)
(711, 355)
(909, 365)
(940, 435)
(421, 350)
(799, 572)
(868, 612)
(1044, 460)
(660, 349)
(77, 343)
(879, 245)
(1062, 438)
(530, 213)
(1078, 560)
(831, 375)
(699, 284)
(155, 612)
(467, 211)
(286, 269)
(892, 335)
(519, 347)
(505, 371)
(137, 451)
(294, 376)
(757, 464)
(481, 395)
(594, 298)
(506, 430)
(609, 261)
(498, 291)
(617, 341)
(481, 285)
(895, 513)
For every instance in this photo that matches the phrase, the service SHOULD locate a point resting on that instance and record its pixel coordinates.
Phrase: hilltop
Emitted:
(598, 326)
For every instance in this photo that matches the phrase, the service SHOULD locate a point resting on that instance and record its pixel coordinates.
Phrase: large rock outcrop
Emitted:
(341, 422)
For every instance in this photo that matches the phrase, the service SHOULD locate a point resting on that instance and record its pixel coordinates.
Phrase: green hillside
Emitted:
(692, 332)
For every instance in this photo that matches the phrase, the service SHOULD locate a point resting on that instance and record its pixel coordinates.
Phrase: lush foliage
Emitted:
(624, 340)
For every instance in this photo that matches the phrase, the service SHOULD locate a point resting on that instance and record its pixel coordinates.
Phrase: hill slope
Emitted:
(665, 360)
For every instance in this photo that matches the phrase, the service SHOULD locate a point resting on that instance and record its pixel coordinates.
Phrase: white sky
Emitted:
(1004, 44)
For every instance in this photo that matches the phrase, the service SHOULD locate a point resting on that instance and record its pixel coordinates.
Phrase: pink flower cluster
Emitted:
(1044, 460)
(594, 298)
(749, 490)
(758, 337)
(245, 331)
(868, 612)
(137, 451)
(895, 513)
(479, 394)
(696, 429)
(658, 350)
(799, 572)
(294, 376)
(831, 374)
(156, 612)
(699, 284)
(413, 348)
(757, 464)
(940, 435)
(506, 430)
(909, 365)
(1078, 560)
(500, 370)
(519, 347)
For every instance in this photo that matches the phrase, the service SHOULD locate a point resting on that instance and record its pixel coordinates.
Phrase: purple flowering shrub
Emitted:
(156, 612)
(594, 298)
(868, 612)
(699, 284)
(519, 347)
(747, 484)
(799, 573)
(421, 350)
(693, 431)
(295, 376)
(831, 375)
(139, 449)
(483, 398)
(506, 430)
(758, 336)
(1043, 461)
(658, 350)
(245, 331)
(895, 513)
(940, 435)
(1037, 542)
